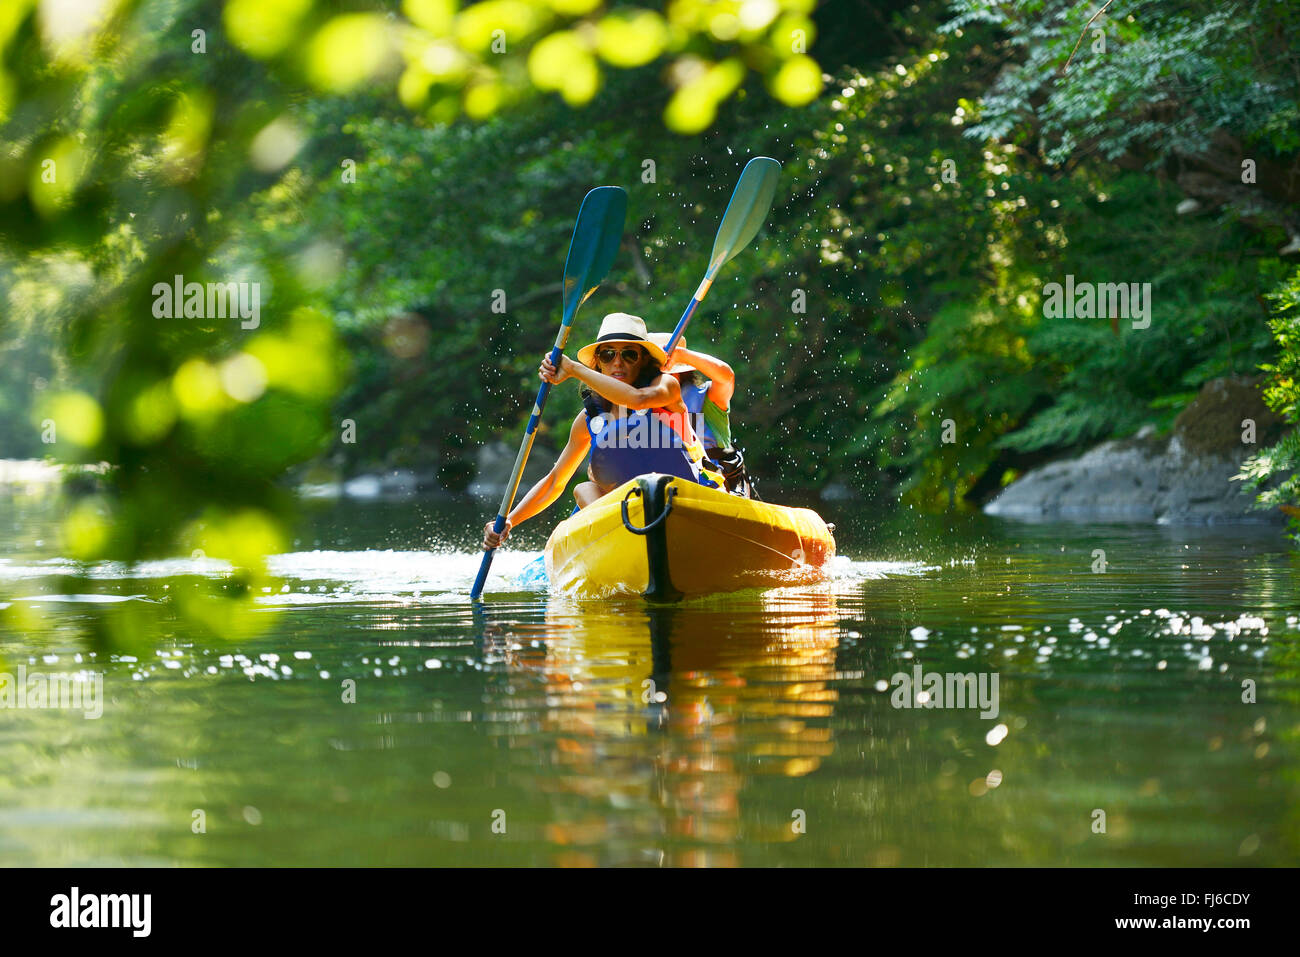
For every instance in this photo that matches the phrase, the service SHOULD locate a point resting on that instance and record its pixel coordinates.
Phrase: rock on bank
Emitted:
(1182, 478)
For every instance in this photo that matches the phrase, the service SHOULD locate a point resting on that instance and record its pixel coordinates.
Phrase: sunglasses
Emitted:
(629, 355)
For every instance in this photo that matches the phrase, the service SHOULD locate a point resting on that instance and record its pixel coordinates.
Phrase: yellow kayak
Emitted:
(665, 538)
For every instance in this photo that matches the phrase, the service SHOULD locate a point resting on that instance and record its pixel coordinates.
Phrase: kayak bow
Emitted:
(665, 538)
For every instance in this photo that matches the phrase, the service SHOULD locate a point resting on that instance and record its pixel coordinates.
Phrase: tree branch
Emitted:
(1066, 68)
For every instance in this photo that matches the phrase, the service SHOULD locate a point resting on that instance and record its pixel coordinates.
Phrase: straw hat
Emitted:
(661, 340)
(621, 327)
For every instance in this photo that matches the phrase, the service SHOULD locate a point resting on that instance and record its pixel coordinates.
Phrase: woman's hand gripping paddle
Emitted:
(750, 202)
(596, 237)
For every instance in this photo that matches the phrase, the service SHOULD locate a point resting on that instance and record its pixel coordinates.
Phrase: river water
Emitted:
(1146, 714)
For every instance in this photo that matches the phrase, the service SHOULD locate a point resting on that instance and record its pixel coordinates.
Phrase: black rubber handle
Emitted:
(668, 508)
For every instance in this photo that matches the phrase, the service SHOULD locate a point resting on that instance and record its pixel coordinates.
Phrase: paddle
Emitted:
(596, 237)
(750, 202)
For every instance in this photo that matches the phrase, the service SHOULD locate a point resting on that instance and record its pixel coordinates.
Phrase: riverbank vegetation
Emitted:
(406, 217)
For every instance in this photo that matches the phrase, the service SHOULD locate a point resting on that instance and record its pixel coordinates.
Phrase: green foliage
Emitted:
(1203, 322)
(447, 61)
(29, 368)
(1170, 74)
(1275, 471)
(189, 138)
(1061, 147)
(923, 289)
(127, 163)
(389, 194)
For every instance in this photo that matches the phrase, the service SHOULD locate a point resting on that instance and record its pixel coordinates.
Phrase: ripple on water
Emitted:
(614, 732)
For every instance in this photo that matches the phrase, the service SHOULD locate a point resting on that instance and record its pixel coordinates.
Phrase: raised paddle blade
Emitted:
(750, 202)
(596, 238)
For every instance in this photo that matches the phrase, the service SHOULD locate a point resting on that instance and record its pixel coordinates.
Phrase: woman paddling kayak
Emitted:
(633, 422)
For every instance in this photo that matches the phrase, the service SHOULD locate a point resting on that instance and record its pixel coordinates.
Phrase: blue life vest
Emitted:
(639, 443)
(693, 397)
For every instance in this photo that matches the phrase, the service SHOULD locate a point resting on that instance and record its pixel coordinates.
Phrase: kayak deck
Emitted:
(665, 538)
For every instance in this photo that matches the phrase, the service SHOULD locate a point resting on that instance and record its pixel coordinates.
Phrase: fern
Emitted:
(1274, 472)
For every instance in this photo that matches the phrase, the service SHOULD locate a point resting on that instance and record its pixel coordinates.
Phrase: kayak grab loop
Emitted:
(668, 507)
(657, 493)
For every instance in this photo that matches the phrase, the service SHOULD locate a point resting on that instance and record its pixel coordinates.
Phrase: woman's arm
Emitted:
(721, 374)
(664, 392)
(550, 486)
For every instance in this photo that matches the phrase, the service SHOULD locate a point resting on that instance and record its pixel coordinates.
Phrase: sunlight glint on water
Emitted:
(753, 728)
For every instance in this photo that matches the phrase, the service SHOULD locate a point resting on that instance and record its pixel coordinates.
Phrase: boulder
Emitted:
(1183, 478)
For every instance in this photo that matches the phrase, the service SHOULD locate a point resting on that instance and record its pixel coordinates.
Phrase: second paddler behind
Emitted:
(707, 384)
(633, 421)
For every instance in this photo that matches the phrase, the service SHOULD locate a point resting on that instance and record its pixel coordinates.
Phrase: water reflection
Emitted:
(655, 720)
(621, 734)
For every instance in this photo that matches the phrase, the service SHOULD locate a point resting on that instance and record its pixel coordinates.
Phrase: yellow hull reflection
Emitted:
(674, 709)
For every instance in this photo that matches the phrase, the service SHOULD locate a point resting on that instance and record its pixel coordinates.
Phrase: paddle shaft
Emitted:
(680, 329)
(750, 201)
(525, 447)
(595, 241)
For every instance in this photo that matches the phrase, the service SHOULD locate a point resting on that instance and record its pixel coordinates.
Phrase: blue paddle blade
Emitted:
(533, 576)
(595, 242)
(750, 202)
(596, 238)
